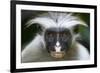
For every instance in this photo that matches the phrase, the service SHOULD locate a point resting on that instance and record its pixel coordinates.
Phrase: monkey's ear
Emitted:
(79, 28)
(76, 29)
(30, 32)
(37, 28)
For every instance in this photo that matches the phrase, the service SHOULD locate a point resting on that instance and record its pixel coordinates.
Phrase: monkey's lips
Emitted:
(58, 55)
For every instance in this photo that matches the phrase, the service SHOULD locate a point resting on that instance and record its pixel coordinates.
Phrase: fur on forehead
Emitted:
(56, 19)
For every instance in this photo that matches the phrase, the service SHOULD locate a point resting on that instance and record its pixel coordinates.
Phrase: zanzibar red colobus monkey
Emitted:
(57, 41)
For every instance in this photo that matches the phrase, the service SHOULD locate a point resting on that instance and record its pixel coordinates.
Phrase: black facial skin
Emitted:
(63, 35)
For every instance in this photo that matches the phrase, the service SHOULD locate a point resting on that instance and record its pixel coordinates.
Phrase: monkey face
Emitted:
(58, 41)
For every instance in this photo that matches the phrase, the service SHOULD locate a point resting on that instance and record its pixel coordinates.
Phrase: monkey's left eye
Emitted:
(64, 37)
(64, 34)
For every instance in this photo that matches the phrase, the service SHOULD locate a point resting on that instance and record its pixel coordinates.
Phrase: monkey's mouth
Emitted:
(57, 55)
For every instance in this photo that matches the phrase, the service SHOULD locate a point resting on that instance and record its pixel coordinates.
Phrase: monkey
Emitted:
(57, 41)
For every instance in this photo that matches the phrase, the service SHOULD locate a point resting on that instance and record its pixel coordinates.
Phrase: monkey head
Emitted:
(58, 41)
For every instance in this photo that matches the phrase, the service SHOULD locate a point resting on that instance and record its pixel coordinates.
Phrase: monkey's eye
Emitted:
(50, 37)
(64, 36)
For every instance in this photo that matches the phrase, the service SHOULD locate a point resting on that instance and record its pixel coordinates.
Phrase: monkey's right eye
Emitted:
(49, 37)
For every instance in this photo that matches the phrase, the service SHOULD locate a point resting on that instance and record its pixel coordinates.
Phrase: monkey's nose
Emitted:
(57, 47)
(57, 43)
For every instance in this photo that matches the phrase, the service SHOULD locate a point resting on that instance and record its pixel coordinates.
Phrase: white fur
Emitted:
(82, 52)
(55, 19)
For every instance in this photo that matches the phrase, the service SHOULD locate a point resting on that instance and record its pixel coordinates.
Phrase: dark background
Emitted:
(27, 34)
